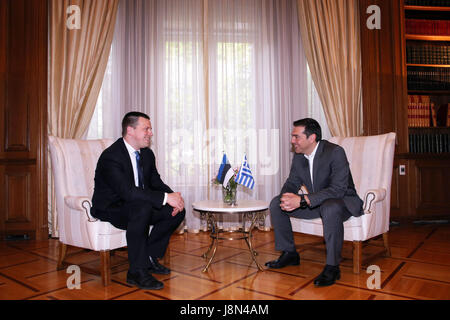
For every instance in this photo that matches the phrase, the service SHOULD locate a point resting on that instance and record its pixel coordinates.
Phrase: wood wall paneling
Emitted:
(17, 100)
(395, 196)
(383, 78)
(3, 70)
(430, 200)
(21, 199)
(23, 118)
(400, 195)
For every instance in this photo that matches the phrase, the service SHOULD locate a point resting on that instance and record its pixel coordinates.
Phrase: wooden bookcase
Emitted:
(427, 45)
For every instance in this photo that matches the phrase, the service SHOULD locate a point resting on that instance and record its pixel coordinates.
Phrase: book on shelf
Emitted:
(428, 78)
(448, 115)
(442, 112)
(433, 54)
(433, 115)
(419, 111)
(428, 27)
(429, 140)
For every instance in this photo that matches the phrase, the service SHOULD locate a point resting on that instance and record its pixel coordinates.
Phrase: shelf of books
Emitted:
(427, 35)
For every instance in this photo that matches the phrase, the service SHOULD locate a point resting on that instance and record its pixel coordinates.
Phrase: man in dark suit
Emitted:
(130, 194)
(319, 185)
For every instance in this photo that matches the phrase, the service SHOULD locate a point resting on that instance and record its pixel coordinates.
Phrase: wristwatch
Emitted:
(303, 203)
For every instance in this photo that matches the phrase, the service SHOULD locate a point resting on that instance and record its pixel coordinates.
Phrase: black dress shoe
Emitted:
(142, 279)
(286, 259)
(328, 276)
(156, 267)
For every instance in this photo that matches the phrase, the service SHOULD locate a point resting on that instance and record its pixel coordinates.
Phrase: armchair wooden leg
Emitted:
(357, 256)
(61, 255)
(105, 267)
(386, 244)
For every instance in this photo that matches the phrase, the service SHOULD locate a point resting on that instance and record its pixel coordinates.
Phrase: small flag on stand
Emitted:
(225, 171)
(244, 175)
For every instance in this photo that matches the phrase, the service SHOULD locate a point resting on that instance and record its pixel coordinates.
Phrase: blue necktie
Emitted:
(140, 170)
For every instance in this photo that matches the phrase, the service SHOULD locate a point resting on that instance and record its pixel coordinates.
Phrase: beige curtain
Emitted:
(331, 40)
(78, 59)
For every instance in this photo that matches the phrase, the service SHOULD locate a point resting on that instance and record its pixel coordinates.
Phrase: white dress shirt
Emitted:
(131, 153)
(311, 161)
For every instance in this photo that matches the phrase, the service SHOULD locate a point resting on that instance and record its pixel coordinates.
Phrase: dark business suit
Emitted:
(332, 195)
(116, 199)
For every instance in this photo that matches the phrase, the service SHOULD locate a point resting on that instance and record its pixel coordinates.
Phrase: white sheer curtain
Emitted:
(215, 76)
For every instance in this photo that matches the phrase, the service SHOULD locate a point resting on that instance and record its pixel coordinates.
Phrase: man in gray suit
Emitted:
(319, 185)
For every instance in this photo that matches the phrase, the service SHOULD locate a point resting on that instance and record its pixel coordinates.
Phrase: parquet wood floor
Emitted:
(418, 269)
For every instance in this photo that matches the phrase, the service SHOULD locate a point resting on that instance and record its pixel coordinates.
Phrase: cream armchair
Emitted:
(73, 166)
(371, 163)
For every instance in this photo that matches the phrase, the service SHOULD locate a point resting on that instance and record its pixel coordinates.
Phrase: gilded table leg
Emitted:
(248, 239)
(214, 236)
(212, 256)
(211, 225)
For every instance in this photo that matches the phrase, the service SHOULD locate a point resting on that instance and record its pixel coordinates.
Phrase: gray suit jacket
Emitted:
(331, 175)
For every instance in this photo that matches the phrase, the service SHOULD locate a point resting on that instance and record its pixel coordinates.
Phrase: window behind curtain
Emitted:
(95, 130)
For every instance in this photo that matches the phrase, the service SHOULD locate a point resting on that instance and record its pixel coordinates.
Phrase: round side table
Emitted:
(250, 210)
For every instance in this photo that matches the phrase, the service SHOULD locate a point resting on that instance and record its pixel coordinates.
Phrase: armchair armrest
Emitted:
(80, 204)
(371, 197)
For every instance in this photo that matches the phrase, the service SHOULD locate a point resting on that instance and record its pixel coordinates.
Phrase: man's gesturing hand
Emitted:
(176, 201)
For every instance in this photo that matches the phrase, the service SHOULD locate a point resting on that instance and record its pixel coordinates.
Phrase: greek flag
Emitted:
(244, 175)
(225, 171)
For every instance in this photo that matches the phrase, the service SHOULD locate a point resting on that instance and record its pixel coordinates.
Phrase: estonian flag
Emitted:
(244, 175)
(225, 171)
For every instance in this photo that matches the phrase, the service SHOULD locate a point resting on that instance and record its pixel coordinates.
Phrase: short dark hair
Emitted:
(311, 126)
(131, 119)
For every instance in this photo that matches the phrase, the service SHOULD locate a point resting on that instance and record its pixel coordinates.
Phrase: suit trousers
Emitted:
(136, 218)
(333, 213)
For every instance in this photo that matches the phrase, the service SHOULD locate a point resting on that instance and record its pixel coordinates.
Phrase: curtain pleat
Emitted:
(331, 39)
